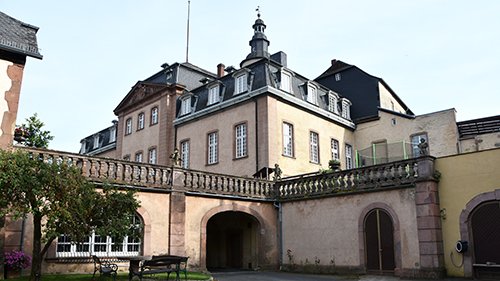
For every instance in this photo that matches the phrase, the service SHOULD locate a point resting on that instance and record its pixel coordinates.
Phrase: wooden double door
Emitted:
(379, 242)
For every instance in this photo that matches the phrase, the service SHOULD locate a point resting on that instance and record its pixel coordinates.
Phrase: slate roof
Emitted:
(18, 37)
(261, 74)
(105, 142)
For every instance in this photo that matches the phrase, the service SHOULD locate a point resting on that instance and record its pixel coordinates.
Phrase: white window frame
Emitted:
(213, 95)
(154, 115)
(112, 134)
(65, 248)
(241, 140)
(152, 155)
(185, 154)
(212, 151)
(185, 106)
(314, 147)
(349, 164)
(138, 157)
(415, 140)
(128, 126)
(140, 121)
(288, 148)
(241, 84)
(335, 148)
(286, 82)
(312, 94)
(346, 109)
(332, 103)
(96, 141)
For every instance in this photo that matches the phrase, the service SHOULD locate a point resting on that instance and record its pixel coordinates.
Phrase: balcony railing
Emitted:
(390, 175)
(142, 175)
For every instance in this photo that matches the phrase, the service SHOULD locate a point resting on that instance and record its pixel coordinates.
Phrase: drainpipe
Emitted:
(280, 233)
(256, 137)
(21, 243)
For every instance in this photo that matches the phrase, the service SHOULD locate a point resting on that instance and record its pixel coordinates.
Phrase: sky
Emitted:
(435, 54)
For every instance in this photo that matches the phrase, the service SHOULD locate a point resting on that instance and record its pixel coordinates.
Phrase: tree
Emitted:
(35, 136)
(61, 201)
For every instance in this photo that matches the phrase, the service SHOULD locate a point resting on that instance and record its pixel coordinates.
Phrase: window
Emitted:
(128, 126)
(241, 84)
(312, 94)
(152, 155)
(96, 141)
(154, 115)
(186, 106)
(415, 140)
(241, 140)
(313, 147)
(112, 134)
(348, 157)
(346, 111)
(287, 139)
(213, 95)
(140, 121)
(335, 149)
(212, 148)
(104, 246)
(185, 154)
(338, 77)
(332, 103)
(286, 82)
(138, 157)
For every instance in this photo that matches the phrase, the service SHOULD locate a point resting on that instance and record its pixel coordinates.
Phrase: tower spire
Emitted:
(259, 43)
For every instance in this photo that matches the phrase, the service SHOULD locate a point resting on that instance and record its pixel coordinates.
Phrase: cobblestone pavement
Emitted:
(283, 276)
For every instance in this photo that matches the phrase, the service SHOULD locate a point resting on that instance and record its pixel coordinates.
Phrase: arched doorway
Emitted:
(485, 228)
(232, 241)
(379, 242)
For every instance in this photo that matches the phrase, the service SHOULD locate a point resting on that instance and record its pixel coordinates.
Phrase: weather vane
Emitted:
(258, 11)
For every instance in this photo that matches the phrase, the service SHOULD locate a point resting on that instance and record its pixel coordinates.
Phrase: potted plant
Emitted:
(15, 261)
(21, 133)
(334, 165)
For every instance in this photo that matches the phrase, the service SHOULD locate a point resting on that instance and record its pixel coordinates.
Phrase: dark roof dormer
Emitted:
(259, 43)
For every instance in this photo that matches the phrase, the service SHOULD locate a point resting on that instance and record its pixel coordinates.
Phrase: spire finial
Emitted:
(258, 11)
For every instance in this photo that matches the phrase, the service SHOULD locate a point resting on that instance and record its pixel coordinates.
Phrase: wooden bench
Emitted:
(161, 264)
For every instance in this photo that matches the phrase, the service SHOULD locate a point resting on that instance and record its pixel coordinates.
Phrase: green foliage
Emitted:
(36, 137)
(55, 192)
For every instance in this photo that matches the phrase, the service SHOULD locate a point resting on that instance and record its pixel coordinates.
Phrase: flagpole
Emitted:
(187, 33)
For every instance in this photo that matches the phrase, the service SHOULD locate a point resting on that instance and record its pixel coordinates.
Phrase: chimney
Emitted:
(334, 61)
(220, 70)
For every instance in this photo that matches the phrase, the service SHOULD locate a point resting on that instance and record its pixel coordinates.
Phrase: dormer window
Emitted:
(213, 95)
(332, 103)
(286, 82)
(346, 109)
(112, 134)
(96, 141)
(241, 84)
(312, 94)
(185, 106)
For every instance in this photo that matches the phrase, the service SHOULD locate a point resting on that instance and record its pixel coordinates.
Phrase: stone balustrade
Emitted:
(141, 175)
(390, 175)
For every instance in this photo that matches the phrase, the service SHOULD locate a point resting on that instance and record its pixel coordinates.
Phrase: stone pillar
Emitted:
(177, 223)
(430, 237)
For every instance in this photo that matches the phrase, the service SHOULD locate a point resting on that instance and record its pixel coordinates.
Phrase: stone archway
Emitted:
(396, 234)
(233, 210)
(465, 227)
